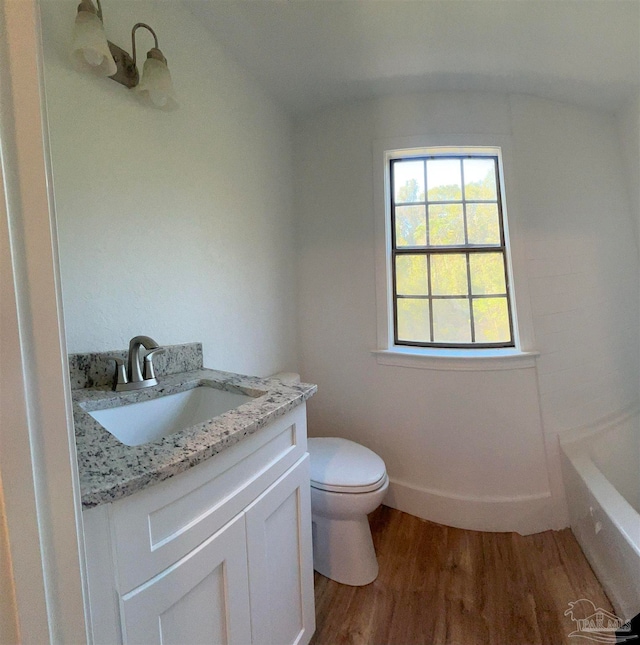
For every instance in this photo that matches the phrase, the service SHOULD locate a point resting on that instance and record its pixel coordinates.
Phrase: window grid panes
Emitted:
(450, 279)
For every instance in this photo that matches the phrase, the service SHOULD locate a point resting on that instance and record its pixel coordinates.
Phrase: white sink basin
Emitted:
(147, 421)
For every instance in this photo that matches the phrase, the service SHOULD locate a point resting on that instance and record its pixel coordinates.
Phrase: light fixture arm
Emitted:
(133, 38)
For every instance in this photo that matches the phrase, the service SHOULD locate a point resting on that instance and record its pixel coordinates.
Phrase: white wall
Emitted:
(470, 448)
(629, 133)
(582, 261)
(176, 225)
(180, 226)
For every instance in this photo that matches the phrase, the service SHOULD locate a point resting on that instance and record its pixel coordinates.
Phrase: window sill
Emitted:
(478, 360)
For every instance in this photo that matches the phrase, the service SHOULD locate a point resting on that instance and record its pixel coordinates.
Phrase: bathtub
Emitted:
(601, 472)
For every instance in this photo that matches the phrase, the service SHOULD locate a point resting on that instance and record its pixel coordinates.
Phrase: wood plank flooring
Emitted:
(445, 586)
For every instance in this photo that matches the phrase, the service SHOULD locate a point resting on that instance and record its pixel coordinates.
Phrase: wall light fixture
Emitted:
(92, 51)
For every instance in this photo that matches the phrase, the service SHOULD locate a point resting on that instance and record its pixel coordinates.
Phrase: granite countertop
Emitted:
(110, 470)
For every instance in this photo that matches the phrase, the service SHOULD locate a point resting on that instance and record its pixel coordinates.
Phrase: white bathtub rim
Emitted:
(610, 501)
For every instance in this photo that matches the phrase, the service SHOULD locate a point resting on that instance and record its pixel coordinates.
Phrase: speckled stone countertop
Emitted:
(110, 470)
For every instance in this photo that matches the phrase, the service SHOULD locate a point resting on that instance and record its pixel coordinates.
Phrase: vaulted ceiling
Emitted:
(310, 54)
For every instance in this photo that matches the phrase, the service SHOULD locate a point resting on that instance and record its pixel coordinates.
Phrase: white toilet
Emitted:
(348, 481)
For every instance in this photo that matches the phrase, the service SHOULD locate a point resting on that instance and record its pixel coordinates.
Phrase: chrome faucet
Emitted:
(133, 378)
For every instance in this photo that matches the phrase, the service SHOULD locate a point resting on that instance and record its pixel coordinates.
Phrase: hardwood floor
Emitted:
(445, 586)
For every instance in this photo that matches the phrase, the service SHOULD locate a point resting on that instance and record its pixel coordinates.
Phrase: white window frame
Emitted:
(388, 353)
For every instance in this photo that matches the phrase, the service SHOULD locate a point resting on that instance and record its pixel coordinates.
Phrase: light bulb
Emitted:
(158, 98)
(93, 57)
(155, 87)
(90, 48)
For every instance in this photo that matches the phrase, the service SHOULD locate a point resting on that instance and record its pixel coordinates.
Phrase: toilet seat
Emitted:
(350, 489)
(342, 466)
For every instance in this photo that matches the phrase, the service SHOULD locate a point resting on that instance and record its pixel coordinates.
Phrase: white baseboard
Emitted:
(522, 514)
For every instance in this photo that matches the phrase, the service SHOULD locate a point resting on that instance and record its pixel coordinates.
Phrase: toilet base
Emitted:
(343, 550)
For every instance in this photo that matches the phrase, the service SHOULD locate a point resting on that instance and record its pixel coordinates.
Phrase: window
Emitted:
(449, 262)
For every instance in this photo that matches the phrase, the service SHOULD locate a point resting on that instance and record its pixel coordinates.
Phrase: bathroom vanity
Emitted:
(203, 535)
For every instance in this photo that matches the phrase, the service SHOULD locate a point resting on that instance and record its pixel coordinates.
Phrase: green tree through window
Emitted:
(449, 253)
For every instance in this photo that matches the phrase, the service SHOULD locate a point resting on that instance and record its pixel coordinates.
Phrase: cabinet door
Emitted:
(281, 561)
(202, 598)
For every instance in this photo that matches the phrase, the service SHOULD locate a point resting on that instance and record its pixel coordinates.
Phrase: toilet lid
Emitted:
(343, 466)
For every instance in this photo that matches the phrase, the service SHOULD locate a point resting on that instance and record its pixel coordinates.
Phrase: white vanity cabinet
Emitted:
(218, 554)
(204, 598)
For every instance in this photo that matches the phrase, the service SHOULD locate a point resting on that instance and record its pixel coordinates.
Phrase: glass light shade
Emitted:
(155, 87)
(90, 49)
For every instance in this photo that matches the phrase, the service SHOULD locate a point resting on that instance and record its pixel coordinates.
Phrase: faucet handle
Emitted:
(148, 371)
(120, 377)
